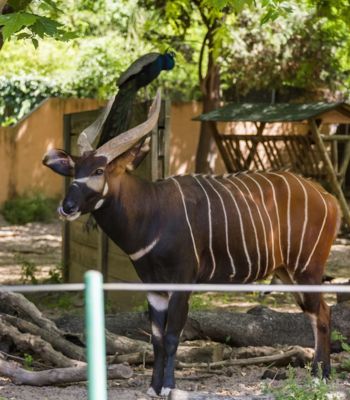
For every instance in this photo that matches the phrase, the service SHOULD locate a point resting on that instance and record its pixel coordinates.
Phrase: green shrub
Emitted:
(29, 208)
(20, 94)
(310, 388)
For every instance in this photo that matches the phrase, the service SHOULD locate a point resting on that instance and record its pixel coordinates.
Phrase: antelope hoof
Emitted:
(151, 392)
(165, 391)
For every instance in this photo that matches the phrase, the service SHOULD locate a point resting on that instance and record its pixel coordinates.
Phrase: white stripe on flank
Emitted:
(226, 229)
(254, 228)
(240, 224)
(271, 227)
(306, 214)
(210, 228)
(187, 219)
(288, 213)
(264, 229)
(277, 213)
(321, 230)
(142, 252)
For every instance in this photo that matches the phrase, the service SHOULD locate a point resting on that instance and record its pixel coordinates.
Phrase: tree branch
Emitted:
(58, 342)
(27, 342)
(200, 62)
(2, 5)
(20, 376)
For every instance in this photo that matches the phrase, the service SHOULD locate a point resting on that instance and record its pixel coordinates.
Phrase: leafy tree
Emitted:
(20, 18)
(252, 45)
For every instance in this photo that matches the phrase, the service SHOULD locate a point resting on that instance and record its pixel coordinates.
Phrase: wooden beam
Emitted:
(260, 130)
(337, 190)
(219, 140)
(345, 163)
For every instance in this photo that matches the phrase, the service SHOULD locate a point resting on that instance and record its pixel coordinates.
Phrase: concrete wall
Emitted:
(23, 145)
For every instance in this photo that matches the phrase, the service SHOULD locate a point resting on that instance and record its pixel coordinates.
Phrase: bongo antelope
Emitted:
(184, 229)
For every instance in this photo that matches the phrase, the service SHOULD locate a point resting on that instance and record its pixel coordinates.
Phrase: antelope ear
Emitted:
(60, 162)
(126, 161)
(139, 153)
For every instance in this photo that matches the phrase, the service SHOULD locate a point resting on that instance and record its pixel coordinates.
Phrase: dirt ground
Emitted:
(39, 245)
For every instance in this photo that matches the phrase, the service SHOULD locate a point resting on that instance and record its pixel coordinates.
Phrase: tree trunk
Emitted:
(2, 5)
(210, 87)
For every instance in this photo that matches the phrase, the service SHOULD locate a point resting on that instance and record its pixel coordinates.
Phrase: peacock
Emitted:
(139, 74)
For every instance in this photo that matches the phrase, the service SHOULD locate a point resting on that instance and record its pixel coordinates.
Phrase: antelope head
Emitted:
(92, 169)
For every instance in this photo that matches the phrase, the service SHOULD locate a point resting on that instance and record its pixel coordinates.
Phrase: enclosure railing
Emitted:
(183, 287)
(94, 303)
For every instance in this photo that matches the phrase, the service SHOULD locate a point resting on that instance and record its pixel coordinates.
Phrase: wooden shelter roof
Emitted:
(279, 112)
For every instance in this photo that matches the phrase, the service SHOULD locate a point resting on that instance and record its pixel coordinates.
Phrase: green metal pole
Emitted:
(95, 334)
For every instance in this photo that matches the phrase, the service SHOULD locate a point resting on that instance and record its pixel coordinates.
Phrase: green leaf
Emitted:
(345, 347)
(35, 42)
(51, 5)
(19, 5)
(15, 22)
(49, 26)
(24, 35)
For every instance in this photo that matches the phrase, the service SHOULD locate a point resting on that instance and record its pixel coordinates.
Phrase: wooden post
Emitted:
(260, 130)
(65, 224)
(219, 140)
(337, 190)
(345, 162)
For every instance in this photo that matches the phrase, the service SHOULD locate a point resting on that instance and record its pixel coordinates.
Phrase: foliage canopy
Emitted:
(302, 44)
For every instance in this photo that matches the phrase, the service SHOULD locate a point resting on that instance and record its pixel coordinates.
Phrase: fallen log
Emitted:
(198, 351)
(58, 342)
(22, 306)
(20, 376)
(26, 342)
(262, 326)
(295, 355)
(259, 327)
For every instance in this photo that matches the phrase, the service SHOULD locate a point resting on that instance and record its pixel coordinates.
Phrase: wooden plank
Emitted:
(65, 224)
(231, 159)
(121, 269)
(102, 258)
(345, 163)
(306, 166)
(291, 154)
(79, 235)
(84, 255)
(259, 162)
(166, 139)
(221, 144)
(271, 150)
(82, 120)
(76, 272)
(115, 250)
(259, 133)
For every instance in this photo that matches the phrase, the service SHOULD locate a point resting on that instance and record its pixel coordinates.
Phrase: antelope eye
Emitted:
(99, 171)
